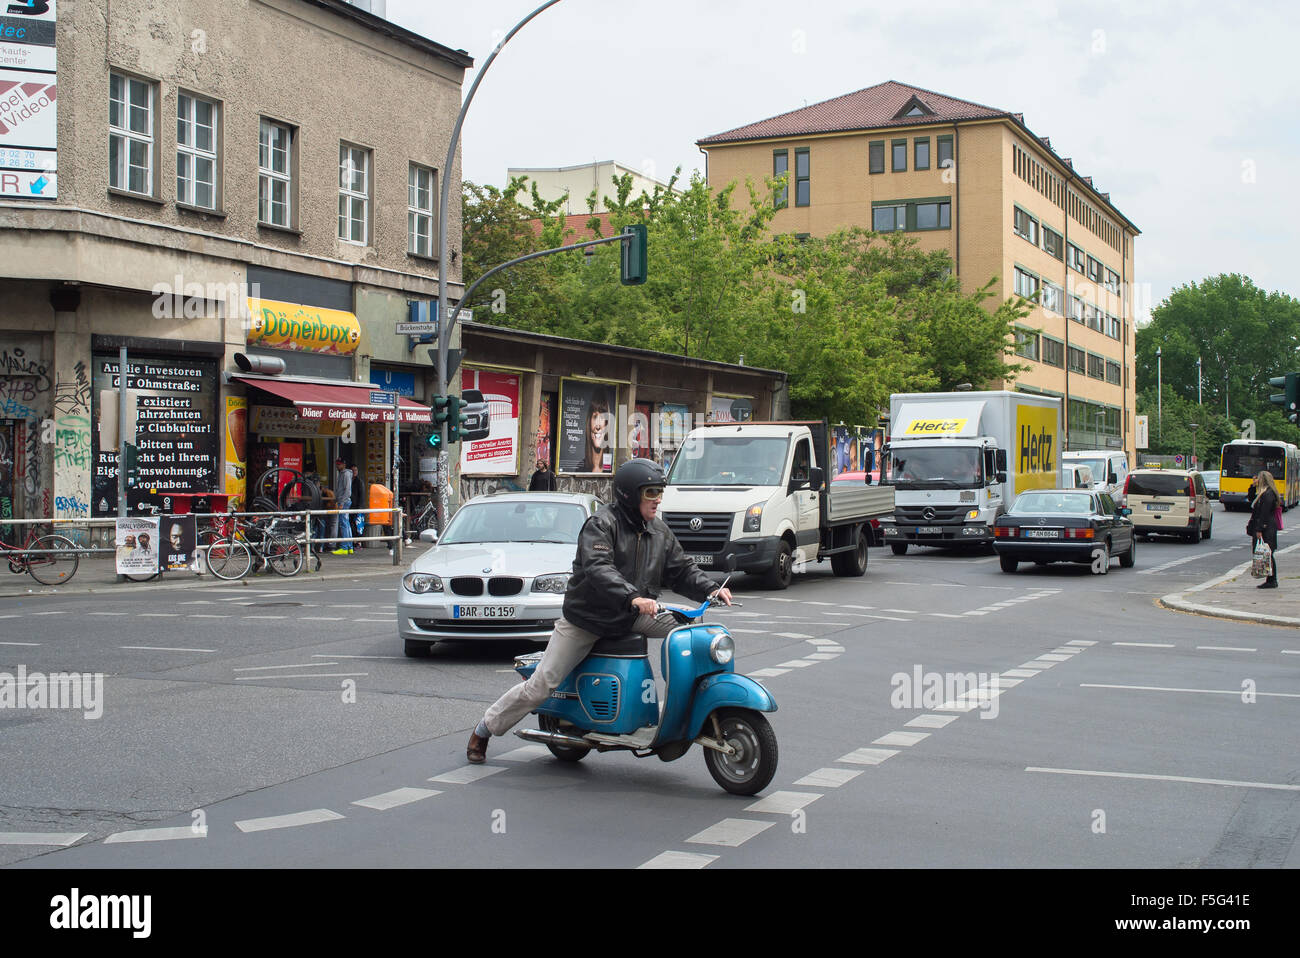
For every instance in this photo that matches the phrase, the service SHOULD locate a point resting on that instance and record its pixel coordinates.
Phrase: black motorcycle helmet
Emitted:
(633, 476)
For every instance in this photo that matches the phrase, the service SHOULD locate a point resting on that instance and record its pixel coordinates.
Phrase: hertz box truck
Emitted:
(958, 460)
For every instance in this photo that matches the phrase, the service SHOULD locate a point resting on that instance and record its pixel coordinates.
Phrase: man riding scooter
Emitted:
(625, 555)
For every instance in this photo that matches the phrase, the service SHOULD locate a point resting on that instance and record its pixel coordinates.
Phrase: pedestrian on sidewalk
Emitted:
(340, 527)
(1265, 519)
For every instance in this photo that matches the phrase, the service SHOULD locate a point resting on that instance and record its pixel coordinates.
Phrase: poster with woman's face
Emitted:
(544, 431)
(587, 434)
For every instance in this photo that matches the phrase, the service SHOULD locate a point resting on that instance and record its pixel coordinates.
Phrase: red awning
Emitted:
(327, 403)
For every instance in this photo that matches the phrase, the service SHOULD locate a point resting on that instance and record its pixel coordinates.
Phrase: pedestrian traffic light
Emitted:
(454, 417)
(634, 261)
(1289, 399)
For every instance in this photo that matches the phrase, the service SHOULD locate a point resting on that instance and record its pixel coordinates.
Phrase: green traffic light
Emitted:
(633, 263)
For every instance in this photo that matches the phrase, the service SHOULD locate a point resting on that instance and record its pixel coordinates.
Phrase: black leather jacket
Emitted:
(621, 558)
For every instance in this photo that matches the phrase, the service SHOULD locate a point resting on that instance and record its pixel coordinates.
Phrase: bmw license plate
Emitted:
(929, 530)
(482, 611)
(1159, 506)
(1042, 533)
(703, 561)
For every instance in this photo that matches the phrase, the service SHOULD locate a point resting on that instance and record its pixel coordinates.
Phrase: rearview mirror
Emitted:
(429, 535)
(1001, 476)
(816, 478)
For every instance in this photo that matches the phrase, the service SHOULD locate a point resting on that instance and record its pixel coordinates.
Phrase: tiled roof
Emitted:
(876, 106)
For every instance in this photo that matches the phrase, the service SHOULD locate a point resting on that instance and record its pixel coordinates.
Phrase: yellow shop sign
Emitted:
(308, 328)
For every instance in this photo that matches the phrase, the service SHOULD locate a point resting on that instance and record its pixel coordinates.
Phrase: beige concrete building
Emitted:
(579, 182)
(974, 181)
(255, 178)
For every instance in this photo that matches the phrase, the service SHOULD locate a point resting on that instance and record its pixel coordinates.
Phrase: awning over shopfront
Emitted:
(333, 403)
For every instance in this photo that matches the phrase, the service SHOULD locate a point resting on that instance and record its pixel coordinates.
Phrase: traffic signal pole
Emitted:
(445, 323)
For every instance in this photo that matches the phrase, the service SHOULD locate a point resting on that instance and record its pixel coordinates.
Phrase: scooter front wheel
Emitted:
(750, 770)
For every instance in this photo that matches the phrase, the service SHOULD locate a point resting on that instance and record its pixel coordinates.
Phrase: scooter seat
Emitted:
(632, 644)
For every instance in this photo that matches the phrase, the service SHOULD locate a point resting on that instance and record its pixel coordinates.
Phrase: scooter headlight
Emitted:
(722, 649)
(421, 582)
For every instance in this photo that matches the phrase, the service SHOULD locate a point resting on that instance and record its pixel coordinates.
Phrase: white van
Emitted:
(1109, 467)
(1075, 475)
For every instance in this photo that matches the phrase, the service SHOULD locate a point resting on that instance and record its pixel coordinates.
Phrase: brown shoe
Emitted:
(476, 751)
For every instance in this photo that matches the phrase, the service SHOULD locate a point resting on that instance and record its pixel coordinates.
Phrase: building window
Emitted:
(802, 178)
(780, 167)
(1027, 344)
(1025, 226)
(1074, 257)
(1077, 359)
(1096, 272)
(1053, 352)
(275, 174)
(197, 125)
(943, 146)
(1112, 281)
(1026, 284)
(1053, 243)
(876, 156)
(886, 219)
(1076, 309)
(419, 210)
(933, 216)
(1113, 327)
(130, 134)
(921, 153)
(1053, 299)
(354, 194)
(899, 156)
(1096, 366)
(1112, 373)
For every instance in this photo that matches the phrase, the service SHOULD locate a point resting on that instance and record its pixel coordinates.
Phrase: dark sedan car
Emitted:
(1065, 525)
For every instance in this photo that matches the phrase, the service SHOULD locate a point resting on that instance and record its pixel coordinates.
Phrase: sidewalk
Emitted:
(1235, 595)
(99, 575)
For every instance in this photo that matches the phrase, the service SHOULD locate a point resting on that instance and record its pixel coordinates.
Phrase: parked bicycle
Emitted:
(49, 559)
(272, 543)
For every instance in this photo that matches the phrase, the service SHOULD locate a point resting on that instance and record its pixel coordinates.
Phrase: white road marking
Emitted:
(1021, 673)
(525, 753)
(823, 656)
(52, 612)
(158, 834)
(1083, 642)
(105, 613)
(293, 820)
(158, 648)
(902, 611)
(467, 774)
(41, 838)
(321, 618)
(296, 665)
(679, 860)
(796, 664)
(304, 675)
(1148, 645)
(264, 617)
(767, 673)
(732, 832)
(396, 658)
(830, 777)
(1225, 648)
(398, 796)
(944, 615)
(1157, 688)
(1191, 558)
(905, 739)
(1036, 665)
(1167, 778)
(18, 643)
(793, 635)
(202, 615)
(1049, 657)
(783, 803)
(157, 615)
(376, 621)
(868, 756)
(931, 721)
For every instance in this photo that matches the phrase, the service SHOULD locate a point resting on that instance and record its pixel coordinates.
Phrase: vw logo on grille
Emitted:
(696, 524)
(928, 515)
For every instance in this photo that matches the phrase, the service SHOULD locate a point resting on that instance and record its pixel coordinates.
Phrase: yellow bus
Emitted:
(1244, 459)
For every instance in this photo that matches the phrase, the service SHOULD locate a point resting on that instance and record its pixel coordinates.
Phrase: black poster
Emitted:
(587, 431)
(174, 402)
(180, 536)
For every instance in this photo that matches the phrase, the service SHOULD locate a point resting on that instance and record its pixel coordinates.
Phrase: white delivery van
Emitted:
(957, 461)
(1109, 467)
(1076, 476)
(754, 496)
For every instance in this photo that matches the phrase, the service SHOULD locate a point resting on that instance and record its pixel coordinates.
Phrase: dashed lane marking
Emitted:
(830, 777)
(1157, 688)
(304, 675)
(398, 796)
(158, 834)
(679, 860)
(41, 838)
(312, 817)
(783, 803)
(731, 832)
(1286, 787)
(467, 774)
(905, 739)
(931, 721)
(159, 648)
(868, 756)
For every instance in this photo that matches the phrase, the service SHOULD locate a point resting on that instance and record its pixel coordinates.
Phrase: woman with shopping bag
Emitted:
(1265, 520)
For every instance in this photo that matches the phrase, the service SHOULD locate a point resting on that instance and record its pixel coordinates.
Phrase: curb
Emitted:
(207, 581)
(1177, 602)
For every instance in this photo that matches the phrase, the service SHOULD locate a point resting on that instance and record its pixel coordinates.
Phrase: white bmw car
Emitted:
(498, 572)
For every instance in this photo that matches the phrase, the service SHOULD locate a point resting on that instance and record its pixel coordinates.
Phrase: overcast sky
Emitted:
(1188, 114)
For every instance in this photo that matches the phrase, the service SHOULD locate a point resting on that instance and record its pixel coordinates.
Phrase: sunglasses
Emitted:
(652, 493)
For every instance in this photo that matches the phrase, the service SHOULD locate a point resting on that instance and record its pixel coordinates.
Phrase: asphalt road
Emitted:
(254, 727)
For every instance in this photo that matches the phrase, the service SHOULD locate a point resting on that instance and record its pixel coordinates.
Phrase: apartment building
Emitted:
(214, 179)
(977, 182)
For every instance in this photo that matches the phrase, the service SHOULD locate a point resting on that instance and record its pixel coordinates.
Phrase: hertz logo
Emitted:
(921, 427)
(1035, 450)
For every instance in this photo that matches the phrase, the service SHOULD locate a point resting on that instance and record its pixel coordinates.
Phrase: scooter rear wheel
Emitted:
(751, 769)
(564, 753)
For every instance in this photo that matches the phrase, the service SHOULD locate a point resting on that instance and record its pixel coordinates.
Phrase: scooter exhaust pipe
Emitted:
(552, 738)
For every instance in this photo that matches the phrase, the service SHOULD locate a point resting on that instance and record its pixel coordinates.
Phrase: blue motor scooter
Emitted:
(608, 703)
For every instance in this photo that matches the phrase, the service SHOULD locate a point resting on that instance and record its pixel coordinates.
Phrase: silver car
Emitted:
(498, 572)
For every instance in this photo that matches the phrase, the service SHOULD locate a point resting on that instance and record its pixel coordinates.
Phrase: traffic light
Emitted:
(435, 439)
(1289, 400)
(131, 466)
(633, 262)
(454, 417)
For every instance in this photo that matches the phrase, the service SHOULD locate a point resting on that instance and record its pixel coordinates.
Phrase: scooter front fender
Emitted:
(727, 690)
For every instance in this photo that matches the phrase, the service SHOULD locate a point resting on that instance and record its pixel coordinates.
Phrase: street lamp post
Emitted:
(1159, 399)
(445, 322)
(1193, 426)
(1198, 380)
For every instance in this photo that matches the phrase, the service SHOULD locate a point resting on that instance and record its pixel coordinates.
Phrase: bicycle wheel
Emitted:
(58, 565)
(229, 559)
(283, 554)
